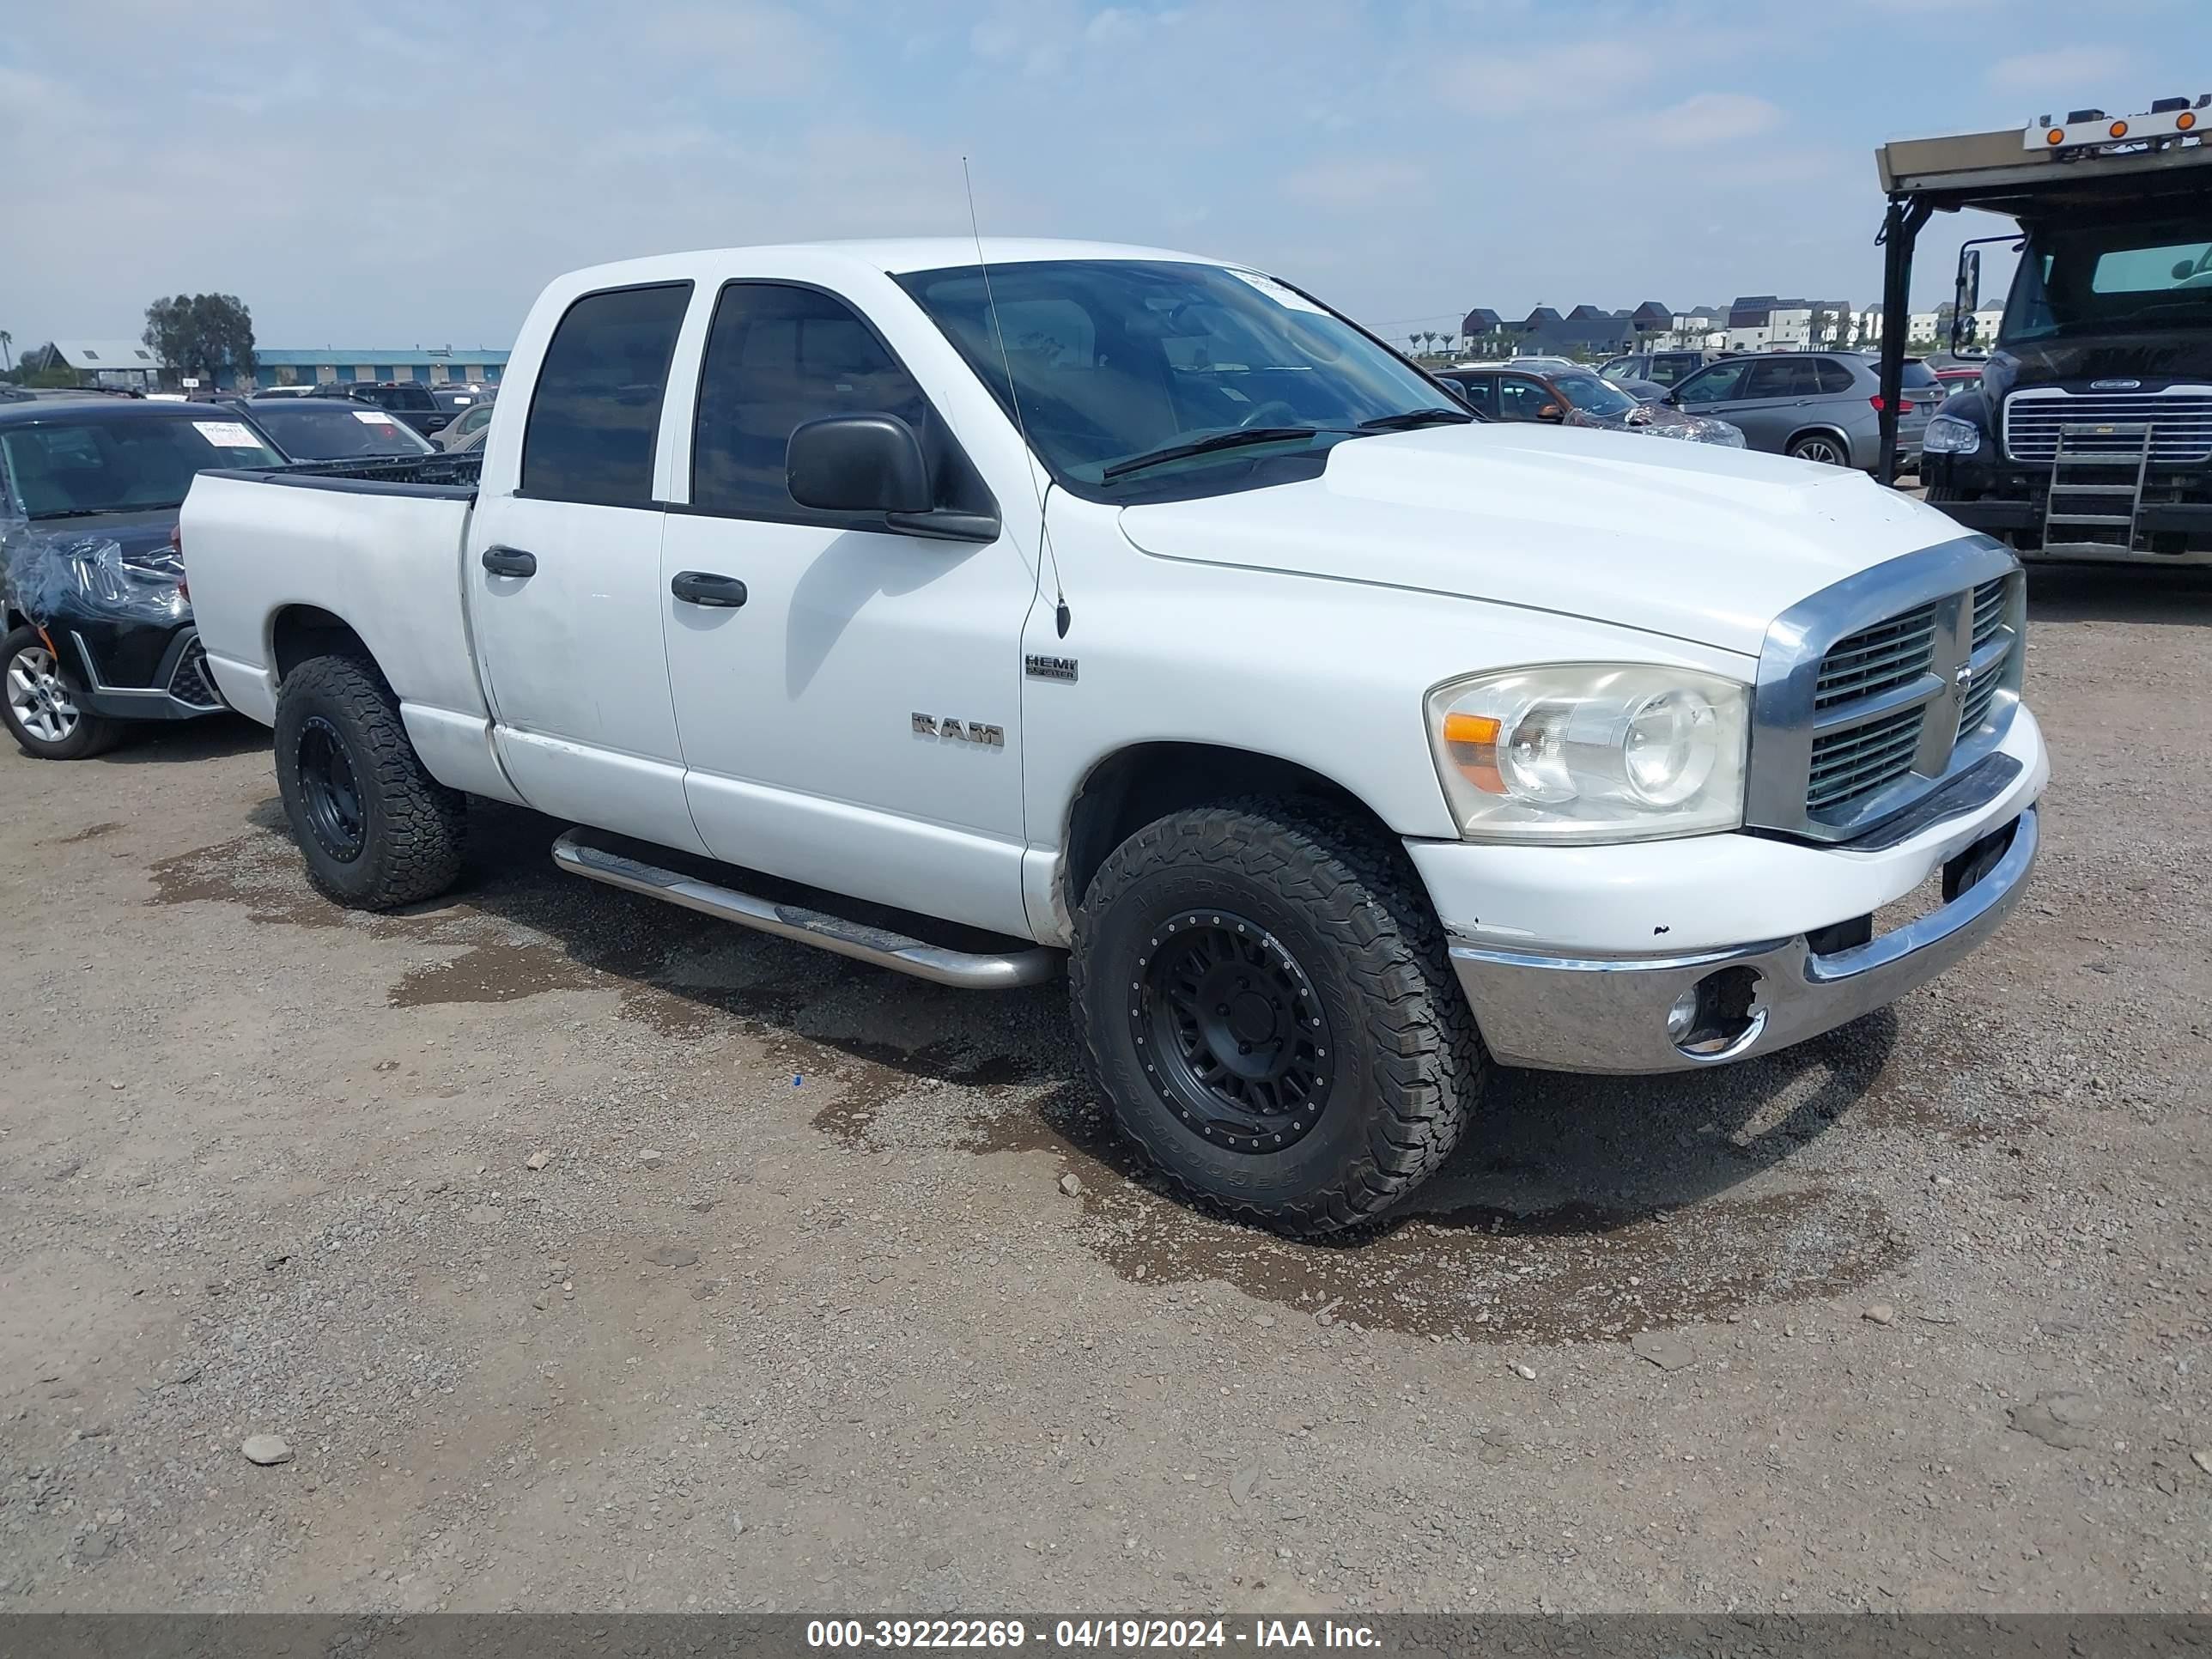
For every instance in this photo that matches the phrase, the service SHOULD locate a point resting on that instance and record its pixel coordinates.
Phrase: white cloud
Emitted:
(1507, 82)
(2074, 70)
(1358, 186)
(747, 47)
(1706, 118)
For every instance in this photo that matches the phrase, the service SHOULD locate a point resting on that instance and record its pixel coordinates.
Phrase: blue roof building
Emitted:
(438, 366)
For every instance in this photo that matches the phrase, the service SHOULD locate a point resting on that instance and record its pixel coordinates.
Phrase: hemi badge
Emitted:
(1050, 668)
(2114, 385)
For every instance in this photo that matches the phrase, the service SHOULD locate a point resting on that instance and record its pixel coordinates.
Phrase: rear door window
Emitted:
(595, 413)
(1783, 377)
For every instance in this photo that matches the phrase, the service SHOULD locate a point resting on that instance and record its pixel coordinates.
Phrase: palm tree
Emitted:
(7, 348)
(1414, 341)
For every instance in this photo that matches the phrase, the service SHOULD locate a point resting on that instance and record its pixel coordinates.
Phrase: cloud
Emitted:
(1357, 186)
(747, 48)
(1503, 81)
(2070, 69)
(1707, 118)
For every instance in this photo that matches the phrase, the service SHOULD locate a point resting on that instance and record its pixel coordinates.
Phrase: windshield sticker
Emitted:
(372, 416)
(227, 434)
(1289, 299)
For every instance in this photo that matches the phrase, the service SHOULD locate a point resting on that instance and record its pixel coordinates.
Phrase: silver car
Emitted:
(1817, 405)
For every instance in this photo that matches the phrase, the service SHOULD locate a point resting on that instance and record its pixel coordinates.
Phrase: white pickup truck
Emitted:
(961, 608)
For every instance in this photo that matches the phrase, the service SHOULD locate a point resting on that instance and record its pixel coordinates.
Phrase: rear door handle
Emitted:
(509, 561)
(705, 587)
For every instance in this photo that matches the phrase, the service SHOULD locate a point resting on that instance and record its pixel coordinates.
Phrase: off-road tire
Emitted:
(412, 827)
(92, 734)
(1346, 906)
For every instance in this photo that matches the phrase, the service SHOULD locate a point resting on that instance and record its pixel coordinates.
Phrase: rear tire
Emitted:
(1825, 448)
(1264, 1000)
(40, 708)
(375, 829)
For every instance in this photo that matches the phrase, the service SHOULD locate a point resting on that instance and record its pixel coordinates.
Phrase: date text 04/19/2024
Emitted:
(1113, 1634)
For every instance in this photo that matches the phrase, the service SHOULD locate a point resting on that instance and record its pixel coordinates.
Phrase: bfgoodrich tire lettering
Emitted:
(376, 829)
(1338, 922)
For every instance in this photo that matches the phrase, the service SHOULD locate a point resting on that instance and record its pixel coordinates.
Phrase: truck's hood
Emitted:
(2154, 360)
(1691, 540)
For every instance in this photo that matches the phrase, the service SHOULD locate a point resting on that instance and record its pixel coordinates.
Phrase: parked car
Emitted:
(1576, 397)
(1516, 813)
(326, 429)
(411, 400)
(99, 628)
(1816, 406)
(1661, 367)
(281, 392)
(466, 429)
(454, 398)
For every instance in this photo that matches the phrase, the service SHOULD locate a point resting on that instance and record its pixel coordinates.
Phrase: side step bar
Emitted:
(1001, 972)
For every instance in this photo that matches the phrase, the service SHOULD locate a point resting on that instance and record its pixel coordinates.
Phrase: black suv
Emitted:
(409, 400)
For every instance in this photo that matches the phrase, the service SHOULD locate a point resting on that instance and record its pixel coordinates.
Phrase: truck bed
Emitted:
(370, 546)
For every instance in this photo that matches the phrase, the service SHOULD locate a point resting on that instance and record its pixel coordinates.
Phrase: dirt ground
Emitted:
(589, 1254)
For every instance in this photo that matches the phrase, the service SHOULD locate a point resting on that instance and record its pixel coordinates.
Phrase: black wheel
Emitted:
(1264, 1001)
(1822, 447)
(41, 706)
(376, 829)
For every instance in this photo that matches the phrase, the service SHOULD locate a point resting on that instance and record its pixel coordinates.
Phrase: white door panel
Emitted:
(796, 710)
(575, 666)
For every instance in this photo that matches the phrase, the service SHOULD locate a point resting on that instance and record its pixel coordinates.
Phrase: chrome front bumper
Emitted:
(1609, 1013)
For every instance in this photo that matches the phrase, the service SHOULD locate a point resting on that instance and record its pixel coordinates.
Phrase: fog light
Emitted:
(1683, 1015)
(1719, 1016)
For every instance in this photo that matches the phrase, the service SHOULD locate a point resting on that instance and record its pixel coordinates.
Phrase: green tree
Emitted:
(202, 334)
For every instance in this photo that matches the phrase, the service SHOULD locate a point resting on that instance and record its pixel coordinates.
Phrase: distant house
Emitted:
(438, 366)
(127, 364)
(1766, 322)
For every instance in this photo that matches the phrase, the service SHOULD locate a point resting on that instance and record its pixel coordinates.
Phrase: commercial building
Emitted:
(439, 366)
(127, 363)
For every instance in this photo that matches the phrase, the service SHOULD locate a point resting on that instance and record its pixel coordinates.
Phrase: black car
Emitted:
(99, 623)
(328, 429)
(411, 400)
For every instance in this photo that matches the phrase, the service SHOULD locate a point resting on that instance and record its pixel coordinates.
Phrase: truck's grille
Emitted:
(1876, 660)
(1876, 691)
(1989, 610)
(1850, 764)
(2180, 422)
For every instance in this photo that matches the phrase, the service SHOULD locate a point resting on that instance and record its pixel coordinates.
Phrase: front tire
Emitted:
(375, 829)
(40, 706)
(1264, 1001)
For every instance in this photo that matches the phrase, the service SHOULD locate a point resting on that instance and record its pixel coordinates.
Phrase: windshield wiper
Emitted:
(1234, 439)
(1406, 420)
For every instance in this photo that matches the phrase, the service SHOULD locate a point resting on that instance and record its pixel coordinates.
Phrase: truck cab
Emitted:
(2090, 435)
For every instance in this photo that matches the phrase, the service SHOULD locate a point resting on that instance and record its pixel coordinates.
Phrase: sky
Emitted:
(411, 172)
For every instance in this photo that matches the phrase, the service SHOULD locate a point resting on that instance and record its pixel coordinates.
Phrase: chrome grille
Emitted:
(2180, 422)
(192, 682)
(1880, 688)
(1877, 660)
(1989, 610)
(1852, 763)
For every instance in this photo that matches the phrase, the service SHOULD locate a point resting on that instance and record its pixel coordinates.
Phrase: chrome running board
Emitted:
(1002, 971)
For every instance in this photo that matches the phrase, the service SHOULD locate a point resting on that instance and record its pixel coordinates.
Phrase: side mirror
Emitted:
(858, 463)
(2184, 270)
(1967, 297)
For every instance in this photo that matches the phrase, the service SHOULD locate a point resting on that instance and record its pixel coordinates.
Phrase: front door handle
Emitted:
(705, 587)
(509, 561)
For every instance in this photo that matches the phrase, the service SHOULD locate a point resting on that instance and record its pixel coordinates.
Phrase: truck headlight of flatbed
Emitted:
(1591, 752)
(1946, 434)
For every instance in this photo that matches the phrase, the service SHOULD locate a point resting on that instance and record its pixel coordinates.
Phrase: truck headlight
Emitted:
(1591, 752)
(1946, 434)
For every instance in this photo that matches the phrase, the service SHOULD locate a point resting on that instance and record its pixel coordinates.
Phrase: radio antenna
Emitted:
(1062, 616)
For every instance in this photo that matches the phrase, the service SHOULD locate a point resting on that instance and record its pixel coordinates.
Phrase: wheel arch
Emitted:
(300, 633)
(1820, 429)
(1143, 782)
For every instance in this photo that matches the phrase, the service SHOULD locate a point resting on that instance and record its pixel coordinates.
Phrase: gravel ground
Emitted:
(583, 1253)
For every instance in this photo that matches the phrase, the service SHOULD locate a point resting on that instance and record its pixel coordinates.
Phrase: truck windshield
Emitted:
(2102, 278)
(80, 468)
(1117, 361)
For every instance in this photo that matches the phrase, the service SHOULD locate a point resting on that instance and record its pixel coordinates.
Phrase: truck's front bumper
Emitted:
(1572, 957)
(1611, 1014)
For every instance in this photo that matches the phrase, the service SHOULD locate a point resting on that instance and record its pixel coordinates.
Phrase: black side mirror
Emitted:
(858, 463)
(1965, 297)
